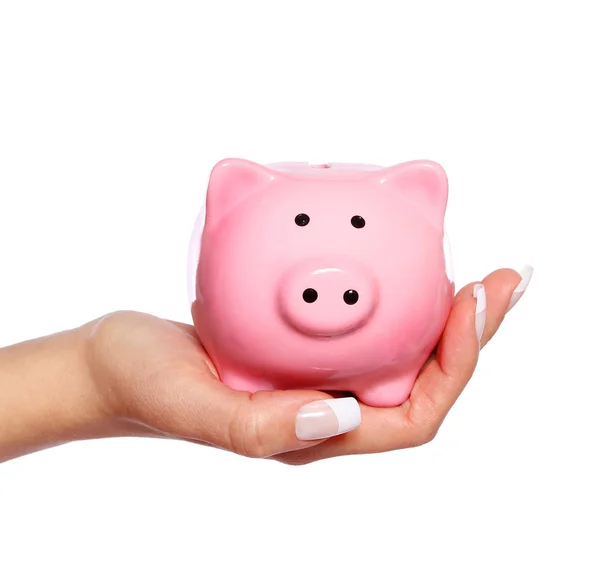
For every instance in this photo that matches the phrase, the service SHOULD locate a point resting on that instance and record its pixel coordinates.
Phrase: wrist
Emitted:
(47, 395)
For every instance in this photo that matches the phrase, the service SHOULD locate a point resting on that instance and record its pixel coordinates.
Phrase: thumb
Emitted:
(267, 423)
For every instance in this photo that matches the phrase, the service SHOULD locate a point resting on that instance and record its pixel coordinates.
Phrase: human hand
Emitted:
(153, 378)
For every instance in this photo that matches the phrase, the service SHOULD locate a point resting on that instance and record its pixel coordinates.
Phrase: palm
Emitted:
(155, 370)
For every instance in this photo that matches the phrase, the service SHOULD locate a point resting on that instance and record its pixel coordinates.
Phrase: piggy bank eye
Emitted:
(310, 295)
(350, 297)
(302, 220)
(358, 222)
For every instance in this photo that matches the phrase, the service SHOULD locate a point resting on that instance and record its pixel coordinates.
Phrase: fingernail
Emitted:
(327, 418)
(526, 275)
(480, 307)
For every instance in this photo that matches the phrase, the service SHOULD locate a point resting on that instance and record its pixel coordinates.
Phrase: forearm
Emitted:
(47, 397)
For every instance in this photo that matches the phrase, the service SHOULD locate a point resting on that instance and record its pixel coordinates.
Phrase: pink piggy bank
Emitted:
(332, 277)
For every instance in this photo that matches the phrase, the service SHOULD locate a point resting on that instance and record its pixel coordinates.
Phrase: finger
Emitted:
(261, 424)
(504, 288)
(381, 430)
(442, 380)
(526, 275)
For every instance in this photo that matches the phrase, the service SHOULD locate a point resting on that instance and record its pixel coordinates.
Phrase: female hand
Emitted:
(155, 375)
(132, 374)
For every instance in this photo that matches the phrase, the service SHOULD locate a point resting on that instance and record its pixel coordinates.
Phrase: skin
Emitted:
(132, 374)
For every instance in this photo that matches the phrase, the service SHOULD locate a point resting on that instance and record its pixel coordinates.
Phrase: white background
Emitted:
(111, 116)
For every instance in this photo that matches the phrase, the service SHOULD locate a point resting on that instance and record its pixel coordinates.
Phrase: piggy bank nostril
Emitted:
(310, 295)
(350, 297)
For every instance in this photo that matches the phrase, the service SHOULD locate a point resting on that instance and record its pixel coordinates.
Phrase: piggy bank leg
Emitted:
(390, 392)
(241, 382)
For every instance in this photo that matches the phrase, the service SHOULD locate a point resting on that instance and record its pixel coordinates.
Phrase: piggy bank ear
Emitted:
(231, 181)
(422, 182)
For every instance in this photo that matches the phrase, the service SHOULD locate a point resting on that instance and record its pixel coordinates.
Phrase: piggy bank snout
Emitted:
(327, 298)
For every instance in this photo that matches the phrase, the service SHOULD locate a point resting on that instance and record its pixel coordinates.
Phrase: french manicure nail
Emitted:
(480, 308)
(327, 418)
(526, 275)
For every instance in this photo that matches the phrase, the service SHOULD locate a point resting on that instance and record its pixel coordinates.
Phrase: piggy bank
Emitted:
(332, 277)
